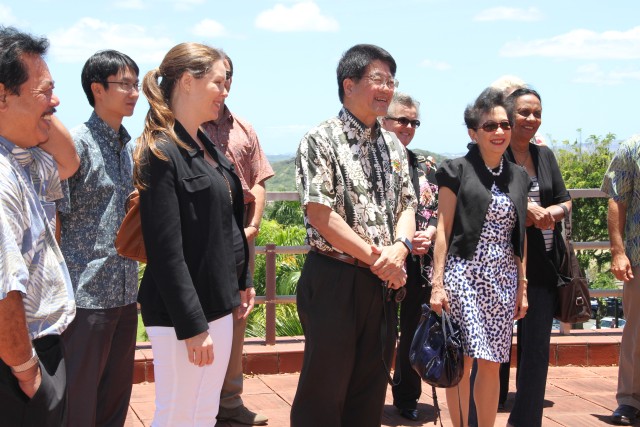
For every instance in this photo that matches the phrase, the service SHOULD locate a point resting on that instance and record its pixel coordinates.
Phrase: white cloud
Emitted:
(185, 4)
(130, 4)
(209, 28)
(88, 35)
(304, 16)
(580, 44)
(8, 18)
(144, 4)
(509, 14)
(435, 65)
(593, 74)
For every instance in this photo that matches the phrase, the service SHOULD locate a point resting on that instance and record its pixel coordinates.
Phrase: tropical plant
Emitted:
(584, 167)
(288, 269)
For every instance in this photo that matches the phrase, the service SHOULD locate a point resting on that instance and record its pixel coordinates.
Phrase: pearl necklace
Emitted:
(499, 170)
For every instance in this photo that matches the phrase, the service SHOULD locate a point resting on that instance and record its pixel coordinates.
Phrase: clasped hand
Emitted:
(540, 217)
(389, 266)
(421, 243)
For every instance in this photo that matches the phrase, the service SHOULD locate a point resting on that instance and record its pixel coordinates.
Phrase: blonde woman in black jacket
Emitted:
(191, 210)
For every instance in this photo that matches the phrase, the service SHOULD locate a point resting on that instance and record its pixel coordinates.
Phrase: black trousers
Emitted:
(100, 348)
(342, 311)
(407, 393)
(534, 336)
(46, 408)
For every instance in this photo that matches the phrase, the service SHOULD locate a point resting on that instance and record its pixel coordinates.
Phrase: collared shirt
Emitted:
(360, 173)
(31, 261)
(622, 184)
(91, 213)
(238, 141)
(43, 172)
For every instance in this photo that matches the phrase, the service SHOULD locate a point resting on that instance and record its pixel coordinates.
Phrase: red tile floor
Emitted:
(575, 397)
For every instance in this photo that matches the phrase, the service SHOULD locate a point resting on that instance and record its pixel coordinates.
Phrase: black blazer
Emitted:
(540, 265)
(470, 180)
(191, 276)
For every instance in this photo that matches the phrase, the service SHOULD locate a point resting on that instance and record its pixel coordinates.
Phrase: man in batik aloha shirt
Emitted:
(359, 204)
(622, 184)
(403, 119)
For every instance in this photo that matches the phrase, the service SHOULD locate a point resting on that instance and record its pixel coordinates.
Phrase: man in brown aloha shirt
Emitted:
(237, 140)
(359, 205)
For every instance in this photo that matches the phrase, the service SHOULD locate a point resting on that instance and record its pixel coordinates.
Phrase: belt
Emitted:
(341, 257)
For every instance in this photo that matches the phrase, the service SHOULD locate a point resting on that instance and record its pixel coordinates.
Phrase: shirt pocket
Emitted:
(198, 195)
(194, 184)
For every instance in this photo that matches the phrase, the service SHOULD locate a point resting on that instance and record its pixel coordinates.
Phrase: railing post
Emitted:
(270, 304)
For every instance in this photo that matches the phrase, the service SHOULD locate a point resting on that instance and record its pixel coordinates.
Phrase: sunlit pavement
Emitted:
(575, 397)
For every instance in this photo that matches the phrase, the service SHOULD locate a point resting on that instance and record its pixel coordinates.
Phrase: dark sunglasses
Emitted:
(493, 126)
(405, 122)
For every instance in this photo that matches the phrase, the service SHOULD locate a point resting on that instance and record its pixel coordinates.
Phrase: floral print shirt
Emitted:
(360, 173)
(622, 183)
(91, 213)
(31, 261)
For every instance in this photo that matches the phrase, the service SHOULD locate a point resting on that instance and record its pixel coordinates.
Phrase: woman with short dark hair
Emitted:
(478, 270)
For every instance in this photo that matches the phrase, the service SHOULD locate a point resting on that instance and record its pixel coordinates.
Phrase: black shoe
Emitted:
(625, 415)
(410, 414)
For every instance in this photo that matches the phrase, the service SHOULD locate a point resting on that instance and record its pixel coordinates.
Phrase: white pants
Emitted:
(188, 395)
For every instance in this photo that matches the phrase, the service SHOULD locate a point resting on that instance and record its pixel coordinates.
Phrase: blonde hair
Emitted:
(158, 86)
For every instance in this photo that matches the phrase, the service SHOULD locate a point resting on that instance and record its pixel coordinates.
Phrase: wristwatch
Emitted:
(405, 242)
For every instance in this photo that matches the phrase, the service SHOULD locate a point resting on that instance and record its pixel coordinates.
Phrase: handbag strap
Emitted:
(383, 339)
(567, 222)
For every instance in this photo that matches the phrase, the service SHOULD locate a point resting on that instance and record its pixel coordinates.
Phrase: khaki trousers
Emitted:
(629, 366)
(233, 381)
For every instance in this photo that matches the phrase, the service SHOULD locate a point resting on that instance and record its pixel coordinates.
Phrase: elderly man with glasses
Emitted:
(36, 296)
(359, 204)
(403, 119)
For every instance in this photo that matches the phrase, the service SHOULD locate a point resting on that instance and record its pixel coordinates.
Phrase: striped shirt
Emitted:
(534, 197)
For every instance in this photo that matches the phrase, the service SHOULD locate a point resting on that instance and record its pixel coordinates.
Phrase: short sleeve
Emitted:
(314, 172)
(63, 205)
(618, 180)
(448, 175)
(14, 273)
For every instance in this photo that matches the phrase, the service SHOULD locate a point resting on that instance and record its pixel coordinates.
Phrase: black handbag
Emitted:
(436, 350)
(573, 298)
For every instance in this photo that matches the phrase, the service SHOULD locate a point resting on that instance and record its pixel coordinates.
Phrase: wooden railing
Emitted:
(270, 251)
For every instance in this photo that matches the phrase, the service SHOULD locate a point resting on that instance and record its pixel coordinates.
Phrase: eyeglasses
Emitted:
(228, 74)
(381, 81)
(405, 121)
(493, 126)
(128, 86)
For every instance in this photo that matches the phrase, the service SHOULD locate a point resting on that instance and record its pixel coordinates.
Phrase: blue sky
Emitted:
(582, 56)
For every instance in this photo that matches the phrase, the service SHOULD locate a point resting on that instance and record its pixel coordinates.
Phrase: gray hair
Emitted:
(404, 99)
(508, 84)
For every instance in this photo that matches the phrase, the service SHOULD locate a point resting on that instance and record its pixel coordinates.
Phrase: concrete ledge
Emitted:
(581, 348)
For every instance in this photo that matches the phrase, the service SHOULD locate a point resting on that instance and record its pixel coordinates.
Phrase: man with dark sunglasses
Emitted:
(402, 119)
